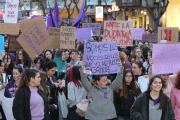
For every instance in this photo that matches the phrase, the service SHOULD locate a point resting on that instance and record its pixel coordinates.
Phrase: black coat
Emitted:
(122, 104)
(21, 104)
(139, 109)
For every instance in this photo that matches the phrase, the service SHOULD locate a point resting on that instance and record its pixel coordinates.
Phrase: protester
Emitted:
(38, 64)
(138, 55)
(3, 53)
(145, 55)
(67, 57)
(48, 55)
(100, 96)
(51, 82)
(140, 43)
(126, 58)
(147, 44)
(23, 59)
(9, 65)
(153, 104)
(138, 69)
(125, 95)
(30, 101)
(175, 97)
(74, 59)
(76, 94)
(13, 84)
(61, 65)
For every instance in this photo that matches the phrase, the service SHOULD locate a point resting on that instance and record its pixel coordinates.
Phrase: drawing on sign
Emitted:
(119, 31)
(101, 57)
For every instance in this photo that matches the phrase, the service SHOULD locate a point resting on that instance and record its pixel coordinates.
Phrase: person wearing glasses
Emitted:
(138, 55)
(125, 95)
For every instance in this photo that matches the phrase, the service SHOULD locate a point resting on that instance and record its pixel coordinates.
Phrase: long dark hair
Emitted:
(74, 75)
(43, 83)
(162, 96)
(28, 73)
(127, 53)
(145, 52)
(69, 59)
(123, 86)
(139, 64)
(48, 50)
(26, 59)
(11, 65)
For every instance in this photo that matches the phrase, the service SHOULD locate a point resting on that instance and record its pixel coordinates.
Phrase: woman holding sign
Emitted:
(100, 96)
(153, 104)
(125, 95)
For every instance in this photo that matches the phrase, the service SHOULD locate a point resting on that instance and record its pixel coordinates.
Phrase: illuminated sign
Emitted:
(99, 13)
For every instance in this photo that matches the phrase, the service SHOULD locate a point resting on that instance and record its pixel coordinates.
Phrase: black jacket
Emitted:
(122, 104)
(21, 104)
(139, 109)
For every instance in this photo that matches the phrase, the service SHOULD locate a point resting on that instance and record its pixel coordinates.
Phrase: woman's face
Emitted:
(16, 75)
(138, 53)
(63, 56)
(140, 43)
(66, 55)
(51, 72)
(20, 55)
(36, 81)
(49, 55)
(7, 61)
(156, 85)
(147, 44)
(165, 77)
(136, 70)
(149, 56)
(37, 65)
(102, 83)
(128, 78)
(125, 56)
(2, 67)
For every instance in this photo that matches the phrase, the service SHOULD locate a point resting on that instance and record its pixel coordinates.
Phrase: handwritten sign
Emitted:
(34, 40)
(119, 31)
(11, 11)
(83, 34)
(67, 37)
(25, 24)
(54, 31)
(151, 38)
(9, 28)
(138, 33)
(101, 57)
(95, 27)
(166, 58)
(1, 43)
(13, 44)
(55, 43)
(168, 33)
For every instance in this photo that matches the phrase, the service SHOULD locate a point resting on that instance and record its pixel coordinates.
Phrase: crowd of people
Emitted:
(35, 85)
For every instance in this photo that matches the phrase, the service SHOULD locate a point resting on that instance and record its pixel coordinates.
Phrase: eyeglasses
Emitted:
(19, 53)
(138, 51)
(127, 76)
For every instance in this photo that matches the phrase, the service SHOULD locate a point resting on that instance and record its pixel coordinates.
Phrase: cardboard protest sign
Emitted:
(55, 43)
(138, 33)
(151, 38)
(13, 44)
(11, 11)
(1, 43)
(24, 24)
(34, 40)
(166, 58)
(168, 33)
(119, 31)
(83, 34)
(54, 31)
(101, 58)
(67, 37)
(9, 28)
(95, 27)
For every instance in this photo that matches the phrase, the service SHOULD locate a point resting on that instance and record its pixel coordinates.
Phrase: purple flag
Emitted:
(53, 21)
(80, 18)
(56, 12)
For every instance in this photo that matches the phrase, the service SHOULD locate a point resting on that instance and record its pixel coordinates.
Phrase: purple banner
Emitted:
(166, 58)
(83, 34)
(101, 57)
(151, 38)
(138, 33)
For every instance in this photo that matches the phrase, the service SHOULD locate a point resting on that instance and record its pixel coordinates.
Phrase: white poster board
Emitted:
(144, 83)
